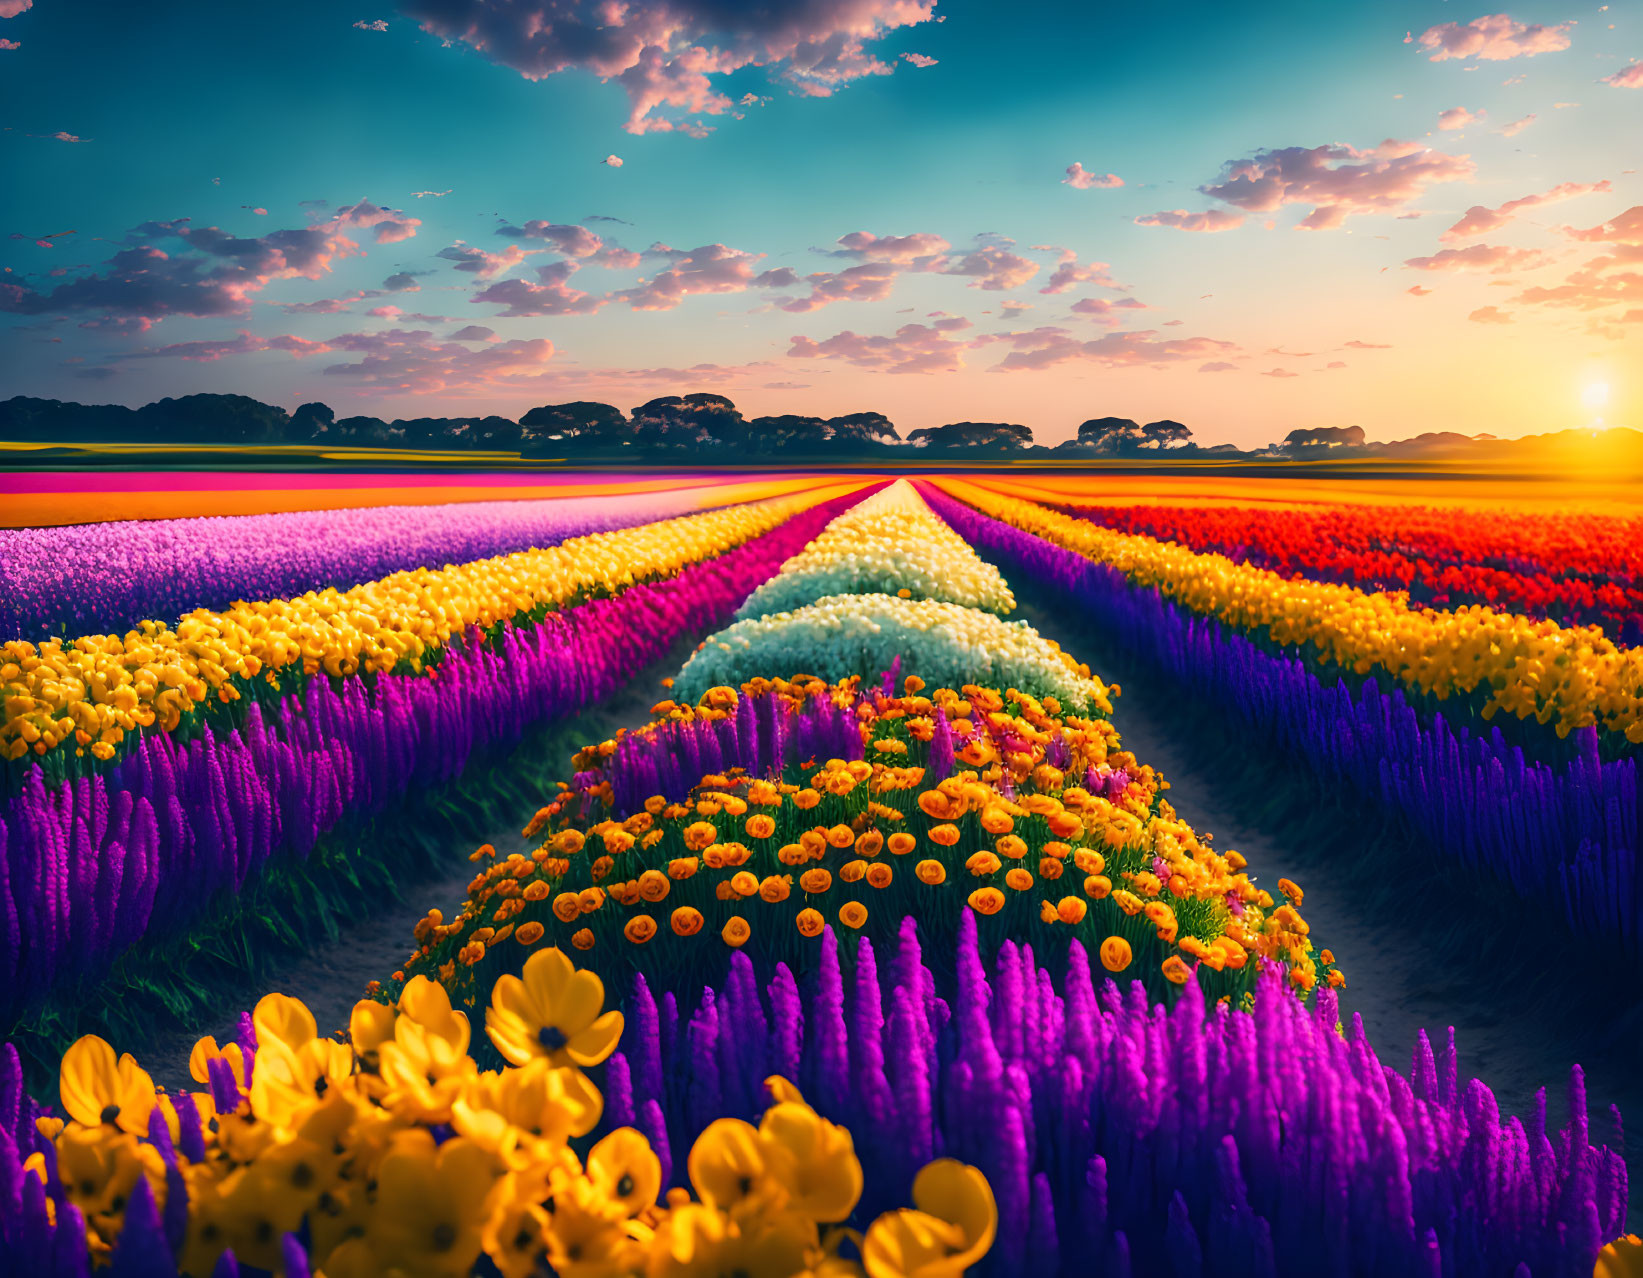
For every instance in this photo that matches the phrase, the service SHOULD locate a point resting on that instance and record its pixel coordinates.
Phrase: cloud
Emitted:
(1083, 180)
(1181, 220)
(11, 8)
(1489, 315)
(1625, 229)
(1628, 77)
(1218, 366)
(476, 261)
(246, 343)
(920, 251)
(1069, 273)
(1613, 278)
(993, 268)
(213, 273)
(667, 53)
(1356, 345)
(435, 194)
(712, 268)
(1104, 310)
(570, 239)
(917, 59)
(1458, 118)
(10, 44)
(866, 282)
(401, 282)
(1480, 220)
(474, 333)
(385, 312)
(1517, 126)
(1338, 180)
(1043, 347)
(913, 348)
(379, 25)
(1493, 38)
(1496, 259)
(612, 161)
(1418, 290)
(412, 361)
(1279, 372)
(552, 295)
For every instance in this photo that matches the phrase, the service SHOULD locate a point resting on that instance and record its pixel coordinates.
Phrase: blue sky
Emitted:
(210, 112)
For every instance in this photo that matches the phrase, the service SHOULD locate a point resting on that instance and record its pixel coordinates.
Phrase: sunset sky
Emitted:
(1407, 216)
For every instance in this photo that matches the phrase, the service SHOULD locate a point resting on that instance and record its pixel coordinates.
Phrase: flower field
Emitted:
(871, 949)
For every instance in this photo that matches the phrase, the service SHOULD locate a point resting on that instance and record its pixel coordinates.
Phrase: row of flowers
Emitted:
(966, 802)
(391, 1152)
(1579, 569)
(89, 867)
(891, 544)
(85, 697)
(123, 573)
(1565, 836)
(1570, 677)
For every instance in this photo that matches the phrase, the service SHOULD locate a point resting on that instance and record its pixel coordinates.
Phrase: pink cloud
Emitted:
(1489, 315)
(1339, 181)
(552, 295)
(10, 44)
(1104, 310)
(1069, 273)
(246, 343)
(1356, 345)
(1496, 259)
(474, 333)
(1043, 347)
(1625, 229)
(570, 239)
(390, 225)
(476, 261)
(612, 161)
(1218, 366)
(1611, 279)
(920, 251)
(1418, 290)
(1517, 126)
(1279, 372)
(1181, 220)
(61, 136)
(1480, 220)
(666, 53)
(1628, 77)
(913, 348)
(866, 282)
(1079, 177)
(1493, 38)
(385, 312)
(993, 268)
(919, 59)
(11, 8)
(379, 25)
(1458, 118)
(413, 361)
(712, 268)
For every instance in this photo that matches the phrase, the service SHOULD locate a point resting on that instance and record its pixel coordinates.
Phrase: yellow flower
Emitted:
(553, 1011)
(96, 1088)
(952, 1228)
(814, 1160)
(625, 1169)
(429, 1212)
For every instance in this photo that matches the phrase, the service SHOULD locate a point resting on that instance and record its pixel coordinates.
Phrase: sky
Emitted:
(1412, 215)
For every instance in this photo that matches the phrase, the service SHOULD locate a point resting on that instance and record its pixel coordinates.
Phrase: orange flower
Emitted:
(995, 820)
(810, 922)
(566, 907)
(869, 844)
(640, 928)
(792, 854)
(699, 834)
(931, 872)
(853, 871)
(1018, 879)
(901, 844)
(1049, 867)
(814, 843)
(653, 886)
(759, 827)
(814, 882)
(1071, 909)
(743, 883)
(806, 799)
(946, 835)
(1291, 891)
(1127, 901)
(529, 933)
(1097, 886)
(1176, 971)
(1115, 954)
(602, 868)
(582, 940)
(1233, 953)
(987, 900)
(535, 890)
(1178, 885)
(687, 921)
(981, 864)
(1337, 978)
(776, 888)
(568, 842)
(735, 932)
(841, 836)
(1065, 825)
(878, 875)
(1012, 846)
(1089, 861)
(682, 867)
(617, 841)
(484, 852)
(724, 891)
(1060, 851)
(935, 805)
(852, 914)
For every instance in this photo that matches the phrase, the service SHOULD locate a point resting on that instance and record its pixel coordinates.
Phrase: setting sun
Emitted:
(1595, 395)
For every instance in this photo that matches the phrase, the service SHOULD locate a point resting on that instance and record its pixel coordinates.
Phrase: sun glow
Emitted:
(1595, 395)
